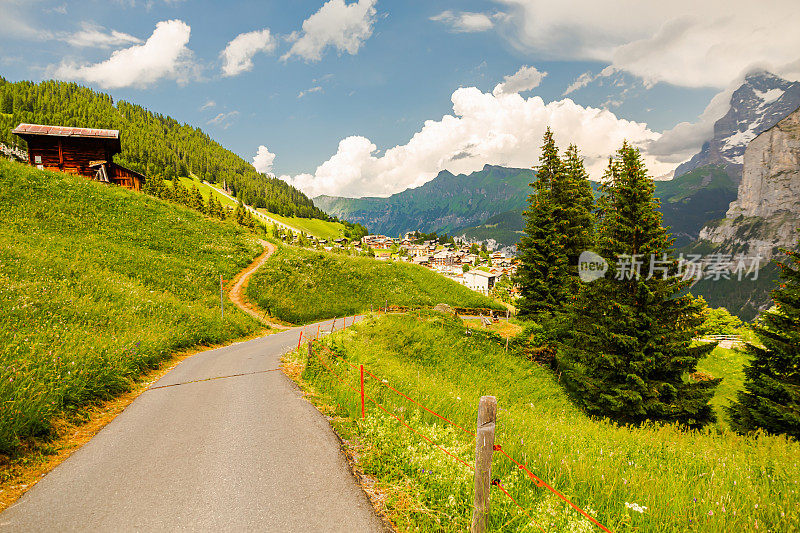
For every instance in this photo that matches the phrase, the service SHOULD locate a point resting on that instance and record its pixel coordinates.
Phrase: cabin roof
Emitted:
(65, 131)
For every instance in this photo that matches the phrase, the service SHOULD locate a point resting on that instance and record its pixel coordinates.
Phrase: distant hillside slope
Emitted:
(151, 143)
(692, 200)
(97, 285)
(445, 204)
(302, 286)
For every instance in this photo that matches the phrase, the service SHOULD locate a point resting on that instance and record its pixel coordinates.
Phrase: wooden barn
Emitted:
(85, 151)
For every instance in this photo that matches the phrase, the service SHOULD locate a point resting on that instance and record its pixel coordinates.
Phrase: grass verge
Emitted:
(98, 285)
(303, 286)
(680, 480)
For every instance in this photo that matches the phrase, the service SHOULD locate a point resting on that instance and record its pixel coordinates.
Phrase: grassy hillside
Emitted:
(98, 284)
(728, 365)
(703, 481)
(207, 191)
(302, 286)
(312, 226)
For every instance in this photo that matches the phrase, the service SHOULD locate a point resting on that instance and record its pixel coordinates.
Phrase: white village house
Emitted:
(480, 281)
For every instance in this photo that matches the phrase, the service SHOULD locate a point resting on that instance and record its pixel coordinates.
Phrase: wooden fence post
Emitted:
(333, 324)
(221, 299)
(484, 448)
(310, 353)
(363, 415)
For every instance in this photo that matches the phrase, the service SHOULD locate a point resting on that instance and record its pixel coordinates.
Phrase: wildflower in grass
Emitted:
(636, 507)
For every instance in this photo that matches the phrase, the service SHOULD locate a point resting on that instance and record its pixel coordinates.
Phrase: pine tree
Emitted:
(631, 341)
(573, 204)
(771, 397)
(542, 273)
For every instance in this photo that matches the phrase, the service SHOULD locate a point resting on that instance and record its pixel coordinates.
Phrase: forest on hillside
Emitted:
(152, 143)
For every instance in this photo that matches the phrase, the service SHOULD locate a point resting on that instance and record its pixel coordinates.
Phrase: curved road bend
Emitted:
(239, 453)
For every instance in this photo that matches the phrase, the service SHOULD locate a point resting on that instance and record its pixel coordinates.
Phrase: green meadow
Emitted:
(658, 478)
(98, 284)
(303, 286)
(311, 226)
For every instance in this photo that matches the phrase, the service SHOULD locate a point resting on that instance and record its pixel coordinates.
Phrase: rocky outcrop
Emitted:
(766, 213)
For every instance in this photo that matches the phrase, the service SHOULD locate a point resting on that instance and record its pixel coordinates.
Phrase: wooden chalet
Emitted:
(85, 151)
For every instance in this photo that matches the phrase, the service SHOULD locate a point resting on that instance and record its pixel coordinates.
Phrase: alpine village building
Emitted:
(84, 151)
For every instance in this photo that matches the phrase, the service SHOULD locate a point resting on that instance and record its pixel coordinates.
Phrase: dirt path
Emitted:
(237, 294)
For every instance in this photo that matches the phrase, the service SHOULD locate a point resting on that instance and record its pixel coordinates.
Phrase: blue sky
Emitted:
(329, 89)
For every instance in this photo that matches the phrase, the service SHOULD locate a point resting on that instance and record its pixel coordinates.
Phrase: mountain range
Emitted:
(488, 204)
(757, 105)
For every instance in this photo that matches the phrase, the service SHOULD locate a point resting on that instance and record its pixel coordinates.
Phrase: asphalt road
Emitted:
(238, 453)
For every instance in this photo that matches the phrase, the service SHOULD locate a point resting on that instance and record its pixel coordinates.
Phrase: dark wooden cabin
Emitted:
(85, 151)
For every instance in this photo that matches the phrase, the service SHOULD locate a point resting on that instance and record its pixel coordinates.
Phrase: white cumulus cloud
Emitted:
(164, 55)
(337, 24)
(683, 42)
(525, 79)
(263, 160)
(238, 54)
(502, 129)
(465, 21)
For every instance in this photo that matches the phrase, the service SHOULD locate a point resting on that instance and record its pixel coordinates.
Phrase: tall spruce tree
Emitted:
(573, 204)
(631, 344)
(771, 397)
(542, 273)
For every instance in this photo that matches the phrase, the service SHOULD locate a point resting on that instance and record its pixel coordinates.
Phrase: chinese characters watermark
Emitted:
(714, 267)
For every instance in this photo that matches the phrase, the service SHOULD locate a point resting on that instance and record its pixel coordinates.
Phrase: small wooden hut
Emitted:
(85, 151)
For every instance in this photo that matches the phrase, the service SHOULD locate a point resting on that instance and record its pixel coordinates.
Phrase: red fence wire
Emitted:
(539, 482)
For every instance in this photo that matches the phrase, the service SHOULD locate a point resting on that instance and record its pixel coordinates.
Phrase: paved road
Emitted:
(242, 453)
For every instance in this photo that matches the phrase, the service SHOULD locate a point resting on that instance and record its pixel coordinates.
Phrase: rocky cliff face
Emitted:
(766, 213)
(756, 106)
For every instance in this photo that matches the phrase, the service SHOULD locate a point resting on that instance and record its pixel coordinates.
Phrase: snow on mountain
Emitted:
(761, 101)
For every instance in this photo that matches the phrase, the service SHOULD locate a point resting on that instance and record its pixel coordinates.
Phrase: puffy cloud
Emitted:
(263, 160)
(465, 21)
(97, 37)
(343, 26)
(208, 105)
(238, 54)
(503, 129)
(683, 42)
(163, 55)
(686, 138)
(525, 79)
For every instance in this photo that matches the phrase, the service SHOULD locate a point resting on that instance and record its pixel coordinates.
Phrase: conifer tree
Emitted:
(542, 273)
(573, 204)
(631, 340)
(771, 397)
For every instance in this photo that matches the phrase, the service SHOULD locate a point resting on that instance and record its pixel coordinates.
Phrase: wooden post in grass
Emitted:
(221, 300)
(363, 415)
(333, 324)
(484, 448)
(310, 353)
